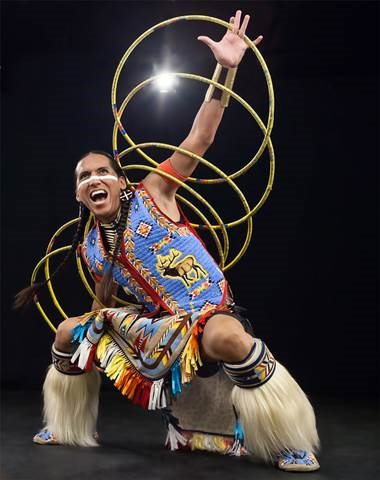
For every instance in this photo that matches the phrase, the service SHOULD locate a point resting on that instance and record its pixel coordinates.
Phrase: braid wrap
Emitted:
(106, 284)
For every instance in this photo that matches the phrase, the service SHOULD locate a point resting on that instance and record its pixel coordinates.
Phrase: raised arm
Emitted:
(228, 52)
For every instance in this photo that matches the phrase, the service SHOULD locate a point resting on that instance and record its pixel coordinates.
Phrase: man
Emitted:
(184, 314)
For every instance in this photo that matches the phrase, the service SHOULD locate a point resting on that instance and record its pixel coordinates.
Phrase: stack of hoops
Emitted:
(217, 228)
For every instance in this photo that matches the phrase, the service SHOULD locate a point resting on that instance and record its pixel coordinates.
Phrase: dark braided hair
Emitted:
(25, 296)
(106, 284)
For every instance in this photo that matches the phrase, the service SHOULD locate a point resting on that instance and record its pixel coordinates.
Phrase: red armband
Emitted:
(167, 167)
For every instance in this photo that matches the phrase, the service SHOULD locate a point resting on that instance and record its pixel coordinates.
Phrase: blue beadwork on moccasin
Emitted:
(300, 457)
(45, 435)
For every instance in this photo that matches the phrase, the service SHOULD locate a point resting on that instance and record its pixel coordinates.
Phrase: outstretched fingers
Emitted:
(207, 40)
(244, 25)
(258, 40)
(236, 21)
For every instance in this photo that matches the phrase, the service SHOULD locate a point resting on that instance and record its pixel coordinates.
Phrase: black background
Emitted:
(309, 277)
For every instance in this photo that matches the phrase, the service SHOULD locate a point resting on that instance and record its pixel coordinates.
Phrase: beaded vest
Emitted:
(161, 263)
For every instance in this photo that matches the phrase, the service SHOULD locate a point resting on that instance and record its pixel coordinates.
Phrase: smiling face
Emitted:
(98, 186)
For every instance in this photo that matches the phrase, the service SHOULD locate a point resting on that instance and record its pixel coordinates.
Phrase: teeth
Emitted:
(97, 192)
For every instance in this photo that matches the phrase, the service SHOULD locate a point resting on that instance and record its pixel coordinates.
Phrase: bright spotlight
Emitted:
(165, 82)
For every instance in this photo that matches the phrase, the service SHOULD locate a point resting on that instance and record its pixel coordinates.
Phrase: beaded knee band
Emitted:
(62, 362)
(256, 369)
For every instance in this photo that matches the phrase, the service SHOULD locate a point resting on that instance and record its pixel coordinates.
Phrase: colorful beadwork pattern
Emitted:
(149, 359)
(161, 263)
(298, 460)
(256, 369)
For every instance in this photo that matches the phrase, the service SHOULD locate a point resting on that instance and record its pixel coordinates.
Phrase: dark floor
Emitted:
(132, 446)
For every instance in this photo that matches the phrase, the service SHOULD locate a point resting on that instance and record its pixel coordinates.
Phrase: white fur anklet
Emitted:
(274, 412)
(71, 406)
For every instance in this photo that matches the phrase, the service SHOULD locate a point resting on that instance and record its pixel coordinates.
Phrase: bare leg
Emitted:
(64, 334)
(224, 339)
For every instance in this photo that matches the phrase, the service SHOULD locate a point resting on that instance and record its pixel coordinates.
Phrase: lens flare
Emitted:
(165, 82)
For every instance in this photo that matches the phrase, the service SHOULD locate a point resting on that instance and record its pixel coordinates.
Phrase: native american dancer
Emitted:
(184, 322)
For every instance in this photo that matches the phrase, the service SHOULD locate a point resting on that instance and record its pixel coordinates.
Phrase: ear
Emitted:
(122, 183)
(77, 196)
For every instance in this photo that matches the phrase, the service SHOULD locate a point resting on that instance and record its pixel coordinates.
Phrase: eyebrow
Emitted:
(84, 172)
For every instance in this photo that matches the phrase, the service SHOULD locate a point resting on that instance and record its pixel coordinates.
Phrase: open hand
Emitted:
(231, 48)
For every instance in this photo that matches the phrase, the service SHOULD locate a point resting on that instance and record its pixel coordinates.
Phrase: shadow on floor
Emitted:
(132, 446)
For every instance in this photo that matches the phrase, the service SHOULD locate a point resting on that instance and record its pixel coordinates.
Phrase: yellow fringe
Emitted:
(83, 319)
(214, 443)
(190, 358)
(125, 378)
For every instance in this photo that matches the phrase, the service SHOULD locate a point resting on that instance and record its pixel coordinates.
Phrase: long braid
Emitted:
(25, 296)
(106, 283)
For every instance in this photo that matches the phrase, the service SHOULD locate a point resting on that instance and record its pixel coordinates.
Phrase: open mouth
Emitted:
(98, 196)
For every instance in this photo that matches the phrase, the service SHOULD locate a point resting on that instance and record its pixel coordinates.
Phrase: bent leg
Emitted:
(71, 396)
(274, 412)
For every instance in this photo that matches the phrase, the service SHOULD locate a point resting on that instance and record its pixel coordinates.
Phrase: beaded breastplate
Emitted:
(161, 263)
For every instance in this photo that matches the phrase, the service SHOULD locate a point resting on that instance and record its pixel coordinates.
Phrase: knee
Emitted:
(63, 335)
(231, 346)
(235, 346)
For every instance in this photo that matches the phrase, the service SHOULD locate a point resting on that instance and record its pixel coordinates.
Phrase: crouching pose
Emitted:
(184, 322)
